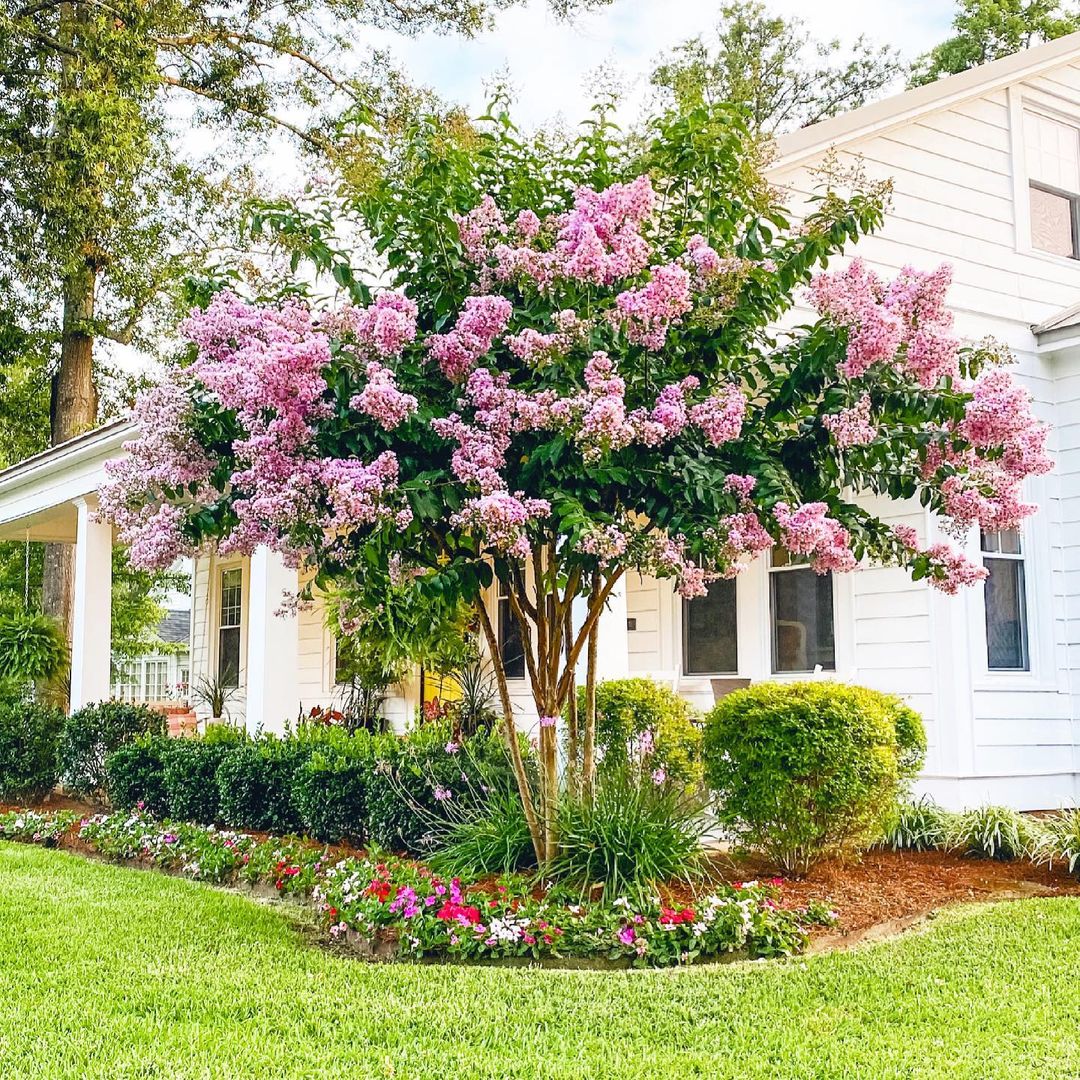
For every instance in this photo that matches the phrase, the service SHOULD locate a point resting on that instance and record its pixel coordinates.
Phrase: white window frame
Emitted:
(770, 617)
(1021, 101)
(219, 570)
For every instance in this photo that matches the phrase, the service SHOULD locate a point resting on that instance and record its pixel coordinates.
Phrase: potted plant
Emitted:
(209, 690)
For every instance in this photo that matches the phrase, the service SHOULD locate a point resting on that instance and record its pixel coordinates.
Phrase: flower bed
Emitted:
(391, 907)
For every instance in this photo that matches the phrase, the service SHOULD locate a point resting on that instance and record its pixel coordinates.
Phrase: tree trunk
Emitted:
(73, 410)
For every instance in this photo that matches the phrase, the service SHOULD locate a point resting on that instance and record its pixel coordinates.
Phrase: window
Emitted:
(344, 660)
(1005, 602)
(156, 680)
(229, 614)
(802, 615)
(1053, 156)
(710, 640)
(128, 683)
(513, 653)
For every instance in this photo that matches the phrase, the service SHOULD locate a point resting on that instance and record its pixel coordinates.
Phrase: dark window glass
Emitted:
(1005, 602)
(513, 655)
(229, 615)
(710, 640)
(802, 617)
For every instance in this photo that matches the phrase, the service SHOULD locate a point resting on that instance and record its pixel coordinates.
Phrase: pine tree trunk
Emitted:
(73, 410)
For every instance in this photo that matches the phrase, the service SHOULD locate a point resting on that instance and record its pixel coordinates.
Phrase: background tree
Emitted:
(776, 70)
(990, 29)
(573, 379)
(100, 208)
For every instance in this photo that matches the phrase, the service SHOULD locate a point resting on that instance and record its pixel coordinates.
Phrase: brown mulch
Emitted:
(887, 891)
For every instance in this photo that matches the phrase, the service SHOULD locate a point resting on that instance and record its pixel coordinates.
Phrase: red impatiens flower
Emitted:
(465, 914)
(671, 917)
(380, 889)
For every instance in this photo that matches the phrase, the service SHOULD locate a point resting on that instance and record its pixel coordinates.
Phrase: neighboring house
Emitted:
(986, 167)
(159, 676)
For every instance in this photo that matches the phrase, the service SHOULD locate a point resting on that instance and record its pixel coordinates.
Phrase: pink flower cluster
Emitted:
(905, 322)
(720, 416)
(810, 531)
(598, 242)
(381, 399)
(851, 427)
(480, 322)
(502, 519)
(385, 327)
(950, 570)
(359, 493)
(650, 311)
(164, 461)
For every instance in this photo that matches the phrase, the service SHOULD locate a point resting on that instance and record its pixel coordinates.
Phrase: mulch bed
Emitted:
(882, 893)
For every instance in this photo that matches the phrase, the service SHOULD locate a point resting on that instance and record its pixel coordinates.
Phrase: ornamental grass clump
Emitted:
(916, 825)
(566, 375)
(1056, 840)
(806, 771)
(992, 832)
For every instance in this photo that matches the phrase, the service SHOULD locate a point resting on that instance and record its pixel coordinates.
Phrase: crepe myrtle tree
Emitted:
(571, 377)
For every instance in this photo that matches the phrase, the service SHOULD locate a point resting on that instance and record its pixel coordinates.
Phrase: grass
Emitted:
(111, 972)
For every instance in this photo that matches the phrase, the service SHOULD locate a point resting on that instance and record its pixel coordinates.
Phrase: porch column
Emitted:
(91, 618)
(613, 642)
(273, 645)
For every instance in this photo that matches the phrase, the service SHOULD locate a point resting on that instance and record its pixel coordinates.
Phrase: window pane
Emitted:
(1052, 150)
(230, 598)
(229, 655)
(344, 660)
(710, 639)
(157, 673)
(1006, 629)
(802, 612)
(513, 654)
(1051, 223)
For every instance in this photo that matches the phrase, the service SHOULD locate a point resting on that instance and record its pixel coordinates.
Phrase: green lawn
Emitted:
(110, 972)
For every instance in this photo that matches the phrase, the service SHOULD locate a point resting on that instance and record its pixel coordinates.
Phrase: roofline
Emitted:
(810, 142)
(106, 438)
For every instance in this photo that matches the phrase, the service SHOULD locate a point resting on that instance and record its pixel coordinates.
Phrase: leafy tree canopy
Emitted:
(987, 30)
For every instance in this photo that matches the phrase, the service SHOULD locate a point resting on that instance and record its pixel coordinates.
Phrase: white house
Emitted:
(986, 168)
(161, 675)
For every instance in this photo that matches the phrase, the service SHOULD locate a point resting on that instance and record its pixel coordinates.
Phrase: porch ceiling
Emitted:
(37, 496)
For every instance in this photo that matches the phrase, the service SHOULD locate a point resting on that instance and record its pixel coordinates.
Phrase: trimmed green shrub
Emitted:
(992, 832)
(190, 774)
(628, 708)
(95, 731)
(803, 771)
(135, 774)
(630, 836)
(28, 737)
(330, 788)
(919, 825)
(255, 782)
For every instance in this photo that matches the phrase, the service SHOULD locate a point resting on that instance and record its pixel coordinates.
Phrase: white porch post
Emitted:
(91, 621)
(613, 642)
(273, 645)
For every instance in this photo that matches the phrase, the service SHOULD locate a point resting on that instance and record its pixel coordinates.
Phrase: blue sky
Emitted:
(549, 62)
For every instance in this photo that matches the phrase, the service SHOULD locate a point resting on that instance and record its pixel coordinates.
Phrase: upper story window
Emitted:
(229, 614)
(1052, 151)
(710, 640)
(1005, 601)
(803, 635)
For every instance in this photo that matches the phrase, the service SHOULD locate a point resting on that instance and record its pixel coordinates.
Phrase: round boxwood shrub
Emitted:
(136, 775)
(330, 788)
(803, 771)
(255, 781)
(28, 738)
(92, 733)
(190, 773)
(627, 708)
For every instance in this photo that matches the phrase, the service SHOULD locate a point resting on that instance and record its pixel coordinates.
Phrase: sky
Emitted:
(549, 62)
